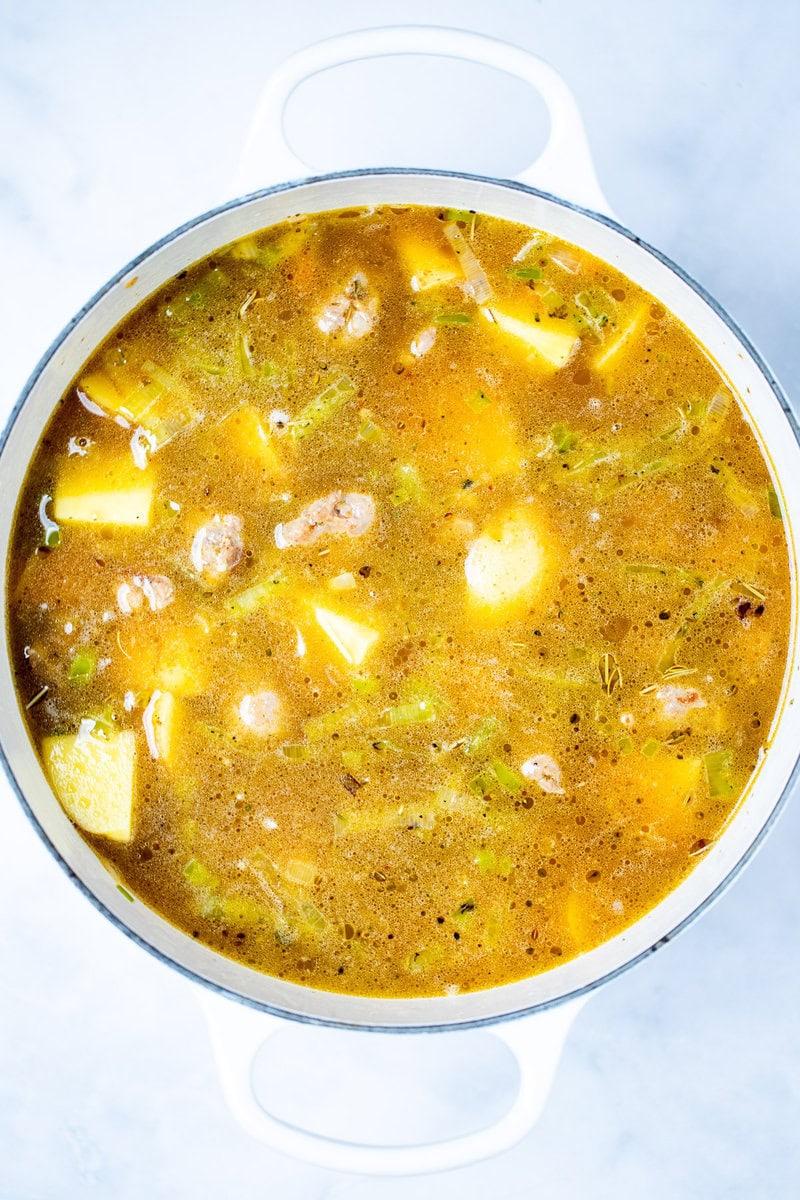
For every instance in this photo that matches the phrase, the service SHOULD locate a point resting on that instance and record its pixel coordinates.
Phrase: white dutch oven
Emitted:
(558, 193)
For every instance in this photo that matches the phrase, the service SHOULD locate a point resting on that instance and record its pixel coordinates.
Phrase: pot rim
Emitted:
(440, 1026)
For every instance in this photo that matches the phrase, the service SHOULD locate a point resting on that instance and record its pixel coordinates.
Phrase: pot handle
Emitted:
(564, 167)
(238, 1033)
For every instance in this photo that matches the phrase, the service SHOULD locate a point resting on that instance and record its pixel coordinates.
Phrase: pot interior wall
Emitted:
(765, 411)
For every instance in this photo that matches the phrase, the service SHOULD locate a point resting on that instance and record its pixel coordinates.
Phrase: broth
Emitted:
(399, 601)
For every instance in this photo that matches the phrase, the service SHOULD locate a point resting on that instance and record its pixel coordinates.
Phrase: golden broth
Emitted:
(399, 601)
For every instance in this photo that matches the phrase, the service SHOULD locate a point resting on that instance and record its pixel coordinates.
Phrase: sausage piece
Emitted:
(352, 311)
(218, 546)
(335, 515)
(157, 590)
(545, 771)
(261, 712)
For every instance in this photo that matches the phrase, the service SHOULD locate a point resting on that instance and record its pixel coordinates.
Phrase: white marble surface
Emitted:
(117, 122)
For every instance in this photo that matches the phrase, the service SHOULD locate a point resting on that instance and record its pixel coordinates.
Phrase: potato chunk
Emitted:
(183, 667)
(352, 639)
(506, 564)
(608, 355)
(661, 787)
(548, 342)
(93, 777)
(159, 720)
(428, 266)
(249, 439)
(124, 506)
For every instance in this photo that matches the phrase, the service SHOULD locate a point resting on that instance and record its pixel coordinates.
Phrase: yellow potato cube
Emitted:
(547, 341)
(102, 391)
(249, 438)
(428, 266)
(661, 787)
(352, 639)
(608, 354)
(182, 668)
(506, 564)
(93, 777)
(159, 720)
(125, 506)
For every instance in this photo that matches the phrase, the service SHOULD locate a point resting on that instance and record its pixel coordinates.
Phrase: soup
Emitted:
(399, 601)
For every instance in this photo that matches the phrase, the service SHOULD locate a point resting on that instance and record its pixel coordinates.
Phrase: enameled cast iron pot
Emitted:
(559, 194)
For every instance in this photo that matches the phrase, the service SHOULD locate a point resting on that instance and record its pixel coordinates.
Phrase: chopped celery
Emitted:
(163, 378)
(310, 916)
(493, 929)
(718, 767)
(420, 960)
(322, 407)
(592, 459)
(464, 914)
(352, 760)
(711, 416)
(488, 862)
(199, 875)
(364, 685)
(481, 785)
(255, 597)
(774, 503)
(211, 366)
(369, 820)
(323, 726)
(485, 733)
(244, 354)
(508, 779)
(625, 744)
(734, 489)
(83, 666)
(453, 318)
(368, 431)
(125, 892)
(650, 748)
(383, 746)
(667, 571)
(410, 714)
(245, 248)
(635, 474)
(284, 246)
(478, 401)
(104, 721)
(594, 309)
(476, 283)
(466, 216)
(421, 817)
(301, 872)
(526, 273)
(708, 593)
(553, 300)
(241, 910)
(297, 751)
(409, 485)
(563, 440)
